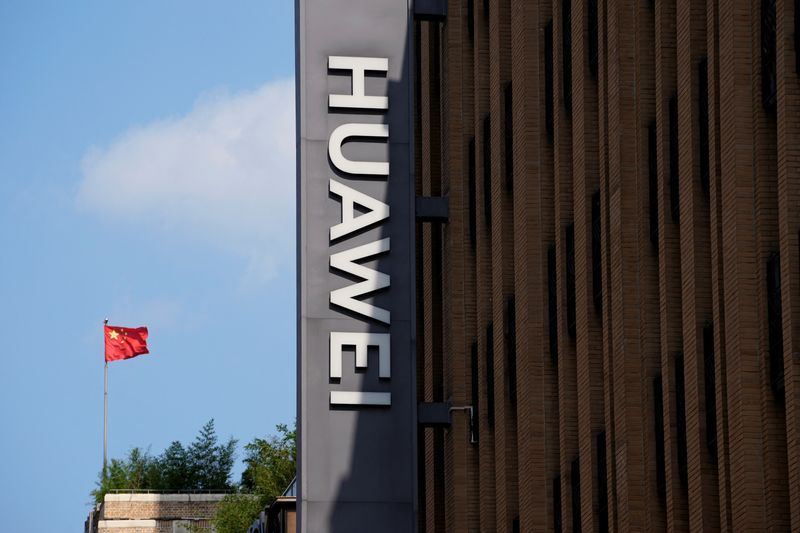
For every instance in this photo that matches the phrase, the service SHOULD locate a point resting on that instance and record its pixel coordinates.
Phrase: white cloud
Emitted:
(223, 174)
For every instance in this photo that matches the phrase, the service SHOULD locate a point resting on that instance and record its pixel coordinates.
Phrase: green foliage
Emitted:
(237, 511)
(204, 465)
(139, 470)
(271, 467)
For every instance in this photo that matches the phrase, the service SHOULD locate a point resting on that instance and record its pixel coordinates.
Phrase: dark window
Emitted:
(592, 8)
(566, 53)
(709, 386)
(570, 249)
(774, 318)
(602, 484)
(674, 184)
(557, 527)
(658, 420)
(680, 415)
(486, 11)
(490, 374)
(515, 525)
(597, 274)
(471, 19)
(471, 192)
(769, 86)
(652, 178)
(797, 35)
(475, 392)
(511, 349)
(487, 170)
(508, 136)
(703, 117)
(575, 481)
(548, 78)
(552, 302)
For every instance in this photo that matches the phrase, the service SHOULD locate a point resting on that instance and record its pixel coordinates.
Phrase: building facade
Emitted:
(616, 291)
(153, 513)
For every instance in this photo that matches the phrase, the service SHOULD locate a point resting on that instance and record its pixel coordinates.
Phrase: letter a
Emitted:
(350, 222)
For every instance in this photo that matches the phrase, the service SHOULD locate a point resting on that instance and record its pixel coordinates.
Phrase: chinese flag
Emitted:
(124, 343)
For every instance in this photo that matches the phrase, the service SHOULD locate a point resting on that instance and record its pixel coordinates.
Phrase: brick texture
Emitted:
(682, 301)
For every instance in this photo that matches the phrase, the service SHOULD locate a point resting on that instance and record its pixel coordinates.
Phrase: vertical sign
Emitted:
(356, 375)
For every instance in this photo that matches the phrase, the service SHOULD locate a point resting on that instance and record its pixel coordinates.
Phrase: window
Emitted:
(680, 415)
(597, 274)
(511, 349)
(471, 192)
(487, 170)
(570, 249)
(557, 522)
(552, 301)
(797, 35)
(548, 78)
(592, 8)
(602, 484)
(658, 419)
(775, 326)
(769, 86)
(702, 71)
(508, 136)
(474, 391)
(490, 374)
(709, 386)
(471, 20)
(566, 53)
(674, 184)
(575, 482)
(652, 178)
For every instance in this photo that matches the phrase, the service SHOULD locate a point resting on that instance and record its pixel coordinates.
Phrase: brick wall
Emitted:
(155, 513)
(698, 185)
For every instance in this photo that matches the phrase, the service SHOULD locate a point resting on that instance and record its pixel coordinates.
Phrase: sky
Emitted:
(147, 177)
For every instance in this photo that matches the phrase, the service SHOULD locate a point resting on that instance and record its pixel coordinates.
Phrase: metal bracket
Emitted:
(473, 438)
(434, 10)
(432, 208)
(433, 415)
(439, 414)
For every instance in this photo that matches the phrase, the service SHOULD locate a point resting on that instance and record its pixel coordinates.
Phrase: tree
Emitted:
(271, 467)
(204, 465)
(210, 463)
(138, 471)
(175, 469)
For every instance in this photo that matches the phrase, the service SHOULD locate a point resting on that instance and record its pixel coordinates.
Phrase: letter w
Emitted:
(373, 280)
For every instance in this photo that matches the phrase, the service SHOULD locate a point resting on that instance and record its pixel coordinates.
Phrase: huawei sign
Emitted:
(358, 211)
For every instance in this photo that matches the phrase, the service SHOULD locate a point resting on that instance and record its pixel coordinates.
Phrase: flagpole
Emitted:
(105, 409)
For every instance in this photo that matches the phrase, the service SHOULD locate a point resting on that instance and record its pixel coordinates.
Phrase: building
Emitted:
(153, 513)
(280, 516)
(616, 290)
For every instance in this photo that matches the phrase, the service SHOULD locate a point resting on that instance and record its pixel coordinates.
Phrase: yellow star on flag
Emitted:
(113, 334)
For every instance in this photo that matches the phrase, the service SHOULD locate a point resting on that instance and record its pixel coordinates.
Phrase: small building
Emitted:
(280, 516)
(149, 512)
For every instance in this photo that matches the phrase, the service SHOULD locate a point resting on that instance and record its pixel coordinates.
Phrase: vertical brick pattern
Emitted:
(705, 275)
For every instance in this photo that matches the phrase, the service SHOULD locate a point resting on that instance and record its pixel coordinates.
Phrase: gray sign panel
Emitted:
(356, 367)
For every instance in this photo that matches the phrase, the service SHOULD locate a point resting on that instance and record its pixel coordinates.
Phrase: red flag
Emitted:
(124, 343)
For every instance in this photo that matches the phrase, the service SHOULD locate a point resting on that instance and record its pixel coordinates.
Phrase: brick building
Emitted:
(617, 287)
(153, 513)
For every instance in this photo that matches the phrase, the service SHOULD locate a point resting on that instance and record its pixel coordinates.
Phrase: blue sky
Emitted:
(147, 176)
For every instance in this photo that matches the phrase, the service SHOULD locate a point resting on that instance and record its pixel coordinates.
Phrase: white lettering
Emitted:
(358, 98)
(339, 397)
(373, 280)
(361, 342)
(345, 131)
(350, 222)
